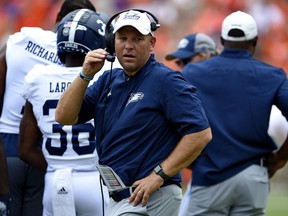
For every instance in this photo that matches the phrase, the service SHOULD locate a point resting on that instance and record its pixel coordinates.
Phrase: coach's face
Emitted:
(132, 48)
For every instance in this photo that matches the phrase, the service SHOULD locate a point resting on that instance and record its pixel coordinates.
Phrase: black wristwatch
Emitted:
(159, 171)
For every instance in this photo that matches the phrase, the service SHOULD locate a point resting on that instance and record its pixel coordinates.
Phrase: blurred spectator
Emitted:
(266, 14)
(193, 48)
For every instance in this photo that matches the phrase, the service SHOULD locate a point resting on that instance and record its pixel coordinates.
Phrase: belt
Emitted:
(123, 194)
(262, 162)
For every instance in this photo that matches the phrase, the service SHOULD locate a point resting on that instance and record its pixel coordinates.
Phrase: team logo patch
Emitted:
(62, 191)
(67, 24)
(66, 31)
(81, 27)
(71, 45)
(134, 97)
(183, 43)
(131, 15)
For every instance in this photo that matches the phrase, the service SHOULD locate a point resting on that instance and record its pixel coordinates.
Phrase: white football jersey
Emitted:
(63, 145)
(26, 48)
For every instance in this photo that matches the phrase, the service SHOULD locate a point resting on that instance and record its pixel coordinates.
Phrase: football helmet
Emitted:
(80, 31)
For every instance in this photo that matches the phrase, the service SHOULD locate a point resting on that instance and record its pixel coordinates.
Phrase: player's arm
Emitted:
(4, 188)
(186, 151)
(3, 165)
(70, 103)
(5, 196)
(3, 68)
(29, 139)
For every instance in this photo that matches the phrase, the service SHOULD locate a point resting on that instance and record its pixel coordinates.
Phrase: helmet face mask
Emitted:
(80, 31)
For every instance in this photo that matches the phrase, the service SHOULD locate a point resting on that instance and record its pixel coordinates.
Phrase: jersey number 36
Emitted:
(73, 132)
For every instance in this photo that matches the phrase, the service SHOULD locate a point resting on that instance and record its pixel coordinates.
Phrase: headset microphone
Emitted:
(109, 57)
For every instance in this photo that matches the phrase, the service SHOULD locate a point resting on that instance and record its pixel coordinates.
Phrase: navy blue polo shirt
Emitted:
(237, 93)
(140, 119)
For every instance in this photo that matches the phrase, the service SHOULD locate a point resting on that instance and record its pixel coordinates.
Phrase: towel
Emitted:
(62, 194)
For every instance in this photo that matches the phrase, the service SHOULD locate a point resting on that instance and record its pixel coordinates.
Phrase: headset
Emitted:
(110, 37)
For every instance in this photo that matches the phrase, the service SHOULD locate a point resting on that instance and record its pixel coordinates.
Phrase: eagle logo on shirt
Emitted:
(134, 97)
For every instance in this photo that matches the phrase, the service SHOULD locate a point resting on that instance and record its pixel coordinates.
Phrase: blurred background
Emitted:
(179, 18)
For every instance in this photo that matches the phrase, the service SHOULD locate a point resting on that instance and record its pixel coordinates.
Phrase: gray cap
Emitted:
(192, 45)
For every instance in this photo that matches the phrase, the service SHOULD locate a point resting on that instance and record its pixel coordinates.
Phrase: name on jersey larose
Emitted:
(58, 86)
(43, 53)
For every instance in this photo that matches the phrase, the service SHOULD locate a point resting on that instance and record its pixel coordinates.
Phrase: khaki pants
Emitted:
(163, 202)
(244, 194)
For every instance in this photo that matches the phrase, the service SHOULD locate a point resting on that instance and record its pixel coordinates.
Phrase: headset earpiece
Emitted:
(154, 26)
(110, 37)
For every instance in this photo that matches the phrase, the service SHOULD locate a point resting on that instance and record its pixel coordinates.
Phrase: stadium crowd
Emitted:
(178, 18)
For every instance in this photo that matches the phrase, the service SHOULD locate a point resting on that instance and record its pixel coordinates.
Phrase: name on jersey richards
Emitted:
(43, 53)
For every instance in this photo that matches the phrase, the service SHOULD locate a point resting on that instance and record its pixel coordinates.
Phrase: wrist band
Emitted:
(84, 77)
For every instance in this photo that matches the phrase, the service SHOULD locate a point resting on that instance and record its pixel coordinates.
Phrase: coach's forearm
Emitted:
(70, 103)
(187, 150)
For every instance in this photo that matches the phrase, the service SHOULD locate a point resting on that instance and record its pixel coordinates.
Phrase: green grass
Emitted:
(278, 203)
